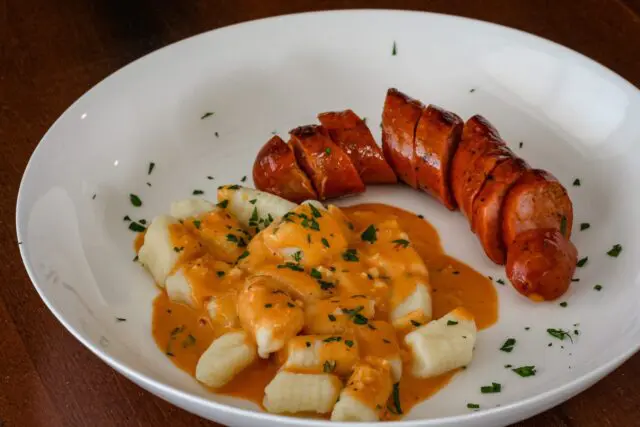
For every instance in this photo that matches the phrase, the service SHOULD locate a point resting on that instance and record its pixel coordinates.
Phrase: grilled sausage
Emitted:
(352, 135)
(437, 137)
(276, 171)
(487, 207)
(479, 151)
(541, 263)
(537, 200)
(329, 167)
(399, 120)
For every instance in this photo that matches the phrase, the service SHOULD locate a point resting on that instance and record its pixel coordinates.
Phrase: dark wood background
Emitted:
(51, 52)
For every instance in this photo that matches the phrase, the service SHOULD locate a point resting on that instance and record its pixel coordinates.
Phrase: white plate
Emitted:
(576, 119)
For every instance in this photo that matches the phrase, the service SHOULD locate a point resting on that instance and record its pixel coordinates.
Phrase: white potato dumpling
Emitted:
(179, 289)
(416, 306)
(269, 313)
(157, 253)
(187, 208)
(335, 354)
(222, 310)
(253, 208)
(227, 356)
(366, 392)
(442, 345)
(291, 393)
(381, 341)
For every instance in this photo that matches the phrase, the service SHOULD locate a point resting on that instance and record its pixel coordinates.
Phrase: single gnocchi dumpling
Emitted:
(227, 356)
(443, 345)
(269, 313)
(291, 393)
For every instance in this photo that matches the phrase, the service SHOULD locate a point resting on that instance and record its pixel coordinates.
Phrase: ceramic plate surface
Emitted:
(574, 118)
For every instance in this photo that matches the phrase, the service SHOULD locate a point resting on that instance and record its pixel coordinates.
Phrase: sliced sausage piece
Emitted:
(479, 151)
(352, 135)
(537, 200)
(399, 120)
(328, 166)
(437, 137)
(487, 207)
(276, 171)
(541, 263)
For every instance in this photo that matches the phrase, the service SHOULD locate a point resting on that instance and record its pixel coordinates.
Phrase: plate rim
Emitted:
(544, 399)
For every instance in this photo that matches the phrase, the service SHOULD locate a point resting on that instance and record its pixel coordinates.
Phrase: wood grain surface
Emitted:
(51, 52)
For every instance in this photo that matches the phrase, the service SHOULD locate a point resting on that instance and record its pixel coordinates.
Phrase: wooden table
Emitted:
(51, 52)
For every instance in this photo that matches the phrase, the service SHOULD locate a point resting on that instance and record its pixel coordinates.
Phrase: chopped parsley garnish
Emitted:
(520, 144)
(220, 273)
(325, 242)
(297, 256)
(421, 216)
(315, 274)
(268, 305)
(291, 266)
(582, 261)
(576, 182)
(584, 226)
(232, 187)
(563, 304)
(308, 344)
(418, 324)
(401, 242)
(563, 225)
(243, 179)
(332, 318)
(350, 255)
(197, 192)
(525, 371)
(327, 151)
(559, 334)
(177, 330)
(209, 177)
(500, 282)
(178, 249)
(473, 406)
(151, 167)
(598, 288)
(369, 235)
(126, 218)
(332, 339)
(216, 134)
(290, 305)
(329, 366)
(615, 250)
(575, 279)
(232, 238)
(451, 322)
(243, 255)
(314, 211)
(135, 259)
(508, 366)
(348, 343)
(188, 341)
(395, 399)
(196, 223)
(142, 221)
(135, 200)
(223, 204)
(508, 345)
(134, 226)
(253, 221)
(386, 341)
(493, 388)
(394, 49)
(325, 286)
(120, 319)
(353, 311)
(207, 114)
(253, 201)
(350, 225)
(359, 319)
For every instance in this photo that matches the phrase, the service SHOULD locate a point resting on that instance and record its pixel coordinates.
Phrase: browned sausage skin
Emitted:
(276, 171)
(437, 137)
(541, 263)
(352, 135)
(399, 121)
(536, 200)
(480, 150)
(487, 207)
(330, 169)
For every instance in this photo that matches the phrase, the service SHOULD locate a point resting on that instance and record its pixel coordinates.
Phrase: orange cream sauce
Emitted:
(184, 333)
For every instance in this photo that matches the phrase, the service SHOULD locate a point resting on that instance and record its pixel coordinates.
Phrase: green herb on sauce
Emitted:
(350, 255)
(369, 235)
